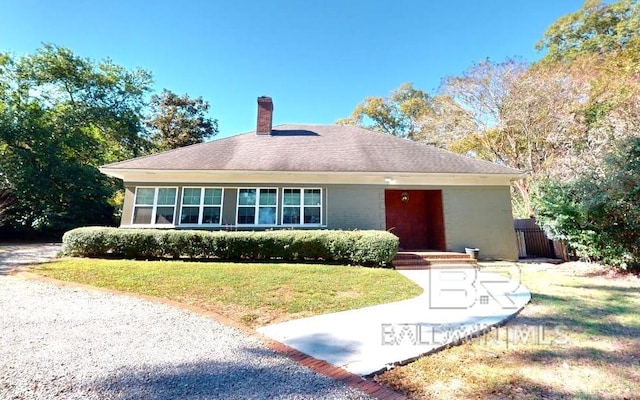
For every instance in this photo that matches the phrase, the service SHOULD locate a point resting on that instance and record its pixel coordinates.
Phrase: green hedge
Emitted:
(347, 247)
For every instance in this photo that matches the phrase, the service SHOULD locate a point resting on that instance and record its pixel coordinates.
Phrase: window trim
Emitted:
(201, 206)
(302, 206)
(256, 206)
(154, 206)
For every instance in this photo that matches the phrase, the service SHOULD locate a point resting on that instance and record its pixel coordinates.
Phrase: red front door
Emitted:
(415, 216)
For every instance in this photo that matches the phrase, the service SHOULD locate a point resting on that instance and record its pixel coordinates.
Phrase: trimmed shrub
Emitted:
(369, 248)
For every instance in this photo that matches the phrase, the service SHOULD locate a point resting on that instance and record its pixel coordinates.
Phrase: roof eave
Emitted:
(390, 178)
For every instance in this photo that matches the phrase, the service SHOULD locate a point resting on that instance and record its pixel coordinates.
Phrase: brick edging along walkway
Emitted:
(322, 367)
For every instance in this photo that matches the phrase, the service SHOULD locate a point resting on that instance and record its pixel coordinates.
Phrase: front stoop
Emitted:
(412, 260)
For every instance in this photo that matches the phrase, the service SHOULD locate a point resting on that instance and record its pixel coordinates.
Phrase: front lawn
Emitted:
(579, 338)
(253, 294)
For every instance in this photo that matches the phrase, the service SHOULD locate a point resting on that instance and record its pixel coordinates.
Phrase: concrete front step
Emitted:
(433, 266)
(431, 255)
(427, 260)
(411, 261)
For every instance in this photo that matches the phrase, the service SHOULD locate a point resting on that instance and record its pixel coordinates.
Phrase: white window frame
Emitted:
(302, 206)
(256, 217)
(201, 206)
(154, 206)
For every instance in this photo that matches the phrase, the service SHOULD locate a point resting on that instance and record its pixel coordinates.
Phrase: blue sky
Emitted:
(317, 58)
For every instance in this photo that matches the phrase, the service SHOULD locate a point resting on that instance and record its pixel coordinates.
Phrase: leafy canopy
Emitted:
(177, 121)
(596, 28)
(60, 117)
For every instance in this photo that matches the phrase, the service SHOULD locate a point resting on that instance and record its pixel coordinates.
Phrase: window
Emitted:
(154, 206)
(301, 206)
(201, 206)
(257, 206)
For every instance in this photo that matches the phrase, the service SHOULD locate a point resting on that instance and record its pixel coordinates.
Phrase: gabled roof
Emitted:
(314, 148)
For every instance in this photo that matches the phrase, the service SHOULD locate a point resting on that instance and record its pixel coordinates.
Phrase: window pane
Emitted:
(144, 196)
(164, 215)
(268, 197)
(312, 197)
(291, 197)
(247, 197)
(291, 215)
(190, 196)
(142, 215)
(189, 215)
(312, 215)
(246, 215)
(267, 215)
(213, 197)
(211, 215)
(166, 196)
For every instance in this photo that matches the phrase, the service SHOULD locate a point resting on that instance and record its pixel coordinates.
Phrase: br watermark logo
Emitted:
(441, 334)
(465, 288)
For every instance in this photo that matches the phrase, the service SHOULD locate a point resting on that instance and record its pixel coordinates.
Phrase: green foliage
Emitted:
(60, 117)
(596, 28)
(398, 114)
(346, 247)
(6, 201)
(561, 213)
(598, 214)
(178, 121)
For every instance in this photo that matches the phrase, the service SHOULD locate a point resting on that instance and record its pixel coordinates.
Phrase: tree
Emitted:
(177, 121)
(61, 116)
(596, 28)
(520, 117)
(597, 213)
(6, 201)
(398, 114)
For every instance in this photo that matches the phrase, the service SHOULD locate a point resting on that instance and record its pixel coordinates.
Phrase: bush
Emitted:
(370, 248)
(597, 213)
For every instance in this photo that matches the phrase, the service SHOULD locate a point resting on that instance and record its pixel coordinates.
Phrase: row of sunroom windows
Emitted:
(203, 206)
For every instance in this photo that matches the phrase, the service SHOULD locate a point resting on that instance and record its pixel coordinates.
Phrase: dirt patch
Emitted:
(351, 294)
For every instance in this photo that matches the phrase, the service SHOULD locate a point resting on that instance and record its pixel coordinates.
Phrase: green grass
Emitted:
(591, 347)
(254, 294)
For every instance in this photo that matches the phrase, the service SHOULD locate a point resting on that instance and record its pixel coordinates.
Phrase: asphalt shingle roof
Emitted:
(323, 148)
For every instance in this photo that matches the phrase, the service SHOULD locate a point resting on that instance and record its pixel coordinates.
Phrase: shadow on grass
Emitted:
(521, 387)
(596, 318)
(607, 288)
(12, 268)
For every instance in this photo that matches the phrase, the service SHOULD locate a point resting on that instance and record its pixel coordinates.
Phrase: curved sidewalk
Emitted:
(456, 303)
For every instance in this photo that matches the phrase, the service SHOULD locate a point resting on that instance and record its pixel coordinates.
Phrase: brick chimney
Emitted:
(265, 115)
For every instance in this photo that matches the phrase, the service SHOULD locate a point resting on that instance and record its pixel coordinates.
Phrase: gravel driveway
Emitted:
(74, 343)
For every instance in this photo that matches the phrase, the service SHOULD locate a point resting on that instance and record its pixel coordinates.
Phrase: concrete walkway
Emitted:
(454, 305)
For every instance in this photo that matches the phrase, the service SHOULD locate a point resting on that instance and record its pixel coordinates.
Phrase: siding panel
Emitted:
(355, 207)
(480, 217)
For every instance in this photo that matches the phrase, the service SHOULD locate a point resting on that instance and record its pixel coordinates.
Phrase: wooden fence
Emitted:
(533, 242)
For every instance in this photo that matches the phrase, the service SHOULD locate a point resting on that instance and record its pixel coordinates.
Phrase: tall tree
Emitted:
(60, 117)
(398, 114)
(514, 112)
(177, 121)
(596, 28)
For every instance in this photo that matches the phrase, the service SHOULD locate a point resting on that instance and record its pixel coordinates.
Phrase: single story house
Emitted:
(324, 177)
